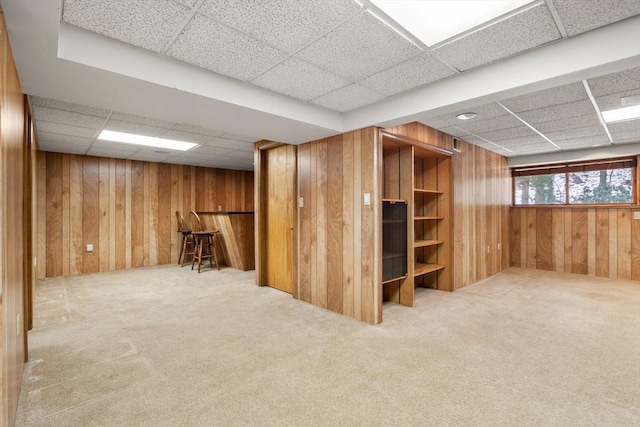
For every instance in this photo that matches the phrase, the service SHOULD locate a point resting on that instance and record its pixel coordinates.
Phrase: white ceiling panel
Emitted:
(150, 157)
(583, 142)
(415, 72)
(579, 16)
(188, 3)
(64, 129)
(177, 135)
(196, 129)
(613, 101)
(484, 112)
(629, 128)
(624, 81)
(102, 151)
(141, 120)
(61, 147)
(348, 98)
(570, 123)
(54, 104)
(557, 112)
(135, 128)
(300, 79)
(55, 138)
(237, 137)
(359, 48)
(148, 24)
(522, 141)
(533, 148)
(208, 44)
(455, 131)
(285, 24)
(510, 133)
(67, 117)
(546, 98)
(528, 29)
(577, 133)
(231, 144)
(490, 125)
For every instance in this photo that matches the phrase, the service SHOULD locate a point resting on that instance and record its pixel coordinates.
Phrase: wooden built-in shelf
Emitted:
(423, 243)
(423, 191)
(420, 269)
(425, 218)
(394, 200)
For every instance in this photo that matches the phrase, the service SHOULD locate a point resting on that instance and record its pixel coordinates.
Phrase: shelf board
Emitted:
(420, 269)
(395, 279)
(423, 191)
(423, 243)
(394, 200)
(422, 218)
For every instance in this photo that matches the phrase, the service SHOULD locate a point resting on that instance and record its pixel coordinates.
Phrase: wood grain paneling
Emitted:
(13, 227)
(603, 242)
(481, 189)
(339, 240)
(124, 208)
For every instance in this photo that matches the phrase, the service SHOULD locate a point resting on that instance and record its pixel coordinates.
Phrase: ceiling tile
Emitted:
(177, 135)
(231, 144)
(583, 142)
(483, 112)
(196, 129)
(237, 137)
(67, 117)
(489, 125)
(101, 151)
(546, 98)
(66, 106)
(575, 133)
(141, 120)
(522, 141)
(347, 98)
(579, 16)
(613, 101)
(534, 148)
(55, 138)
(530, 28)
(415, 72)
(300, 79)
(627, 129)
(455, 131)
(557, 112)
(624, 81)
(285, 24)
(149, 24)
(508, 134)
(583, 121)
(210, 45)
(61, 148)
(135, 128)
(359, 48)
(63, 129)
(149, 157)
(189, 3)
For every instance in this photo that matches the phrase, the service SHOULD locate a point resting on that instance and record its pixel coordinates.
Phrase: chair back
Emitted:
(182, 226)
(196, 224)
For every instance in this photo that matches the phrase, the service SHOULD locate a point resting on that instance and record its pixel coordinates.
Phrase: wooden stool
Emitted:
(187, 240)
(205, 239)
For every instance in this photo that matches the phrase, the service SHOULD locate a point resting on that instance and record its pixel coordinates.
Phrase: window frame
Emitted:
(627, 162)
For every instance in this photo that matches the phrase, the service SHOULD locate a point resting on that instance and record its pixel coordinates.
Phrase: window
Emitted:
(594, 182)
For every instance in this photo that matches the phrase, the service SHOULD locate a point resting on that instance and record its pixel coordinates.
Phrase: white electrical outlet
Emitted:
(488, 249)
(367, 199)
(636, 215)
(89, 247)
(301, 202)
(219, 208)
(499, 246)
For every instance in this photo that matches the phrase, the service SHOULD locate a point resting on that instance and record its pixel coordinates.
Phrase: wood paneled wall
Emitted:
(339, 237)
(595, 241)
(481, 201)
(124, 208)
(13, 154)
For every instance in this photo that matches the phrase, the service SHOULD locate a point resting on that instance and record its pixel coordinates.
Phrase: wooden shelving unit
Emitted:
(421, 175)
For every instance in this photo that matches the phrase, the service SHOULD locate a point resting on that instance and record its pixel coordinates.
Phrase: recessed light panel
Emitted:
(147, 141)
(433, 21)
(622, 114)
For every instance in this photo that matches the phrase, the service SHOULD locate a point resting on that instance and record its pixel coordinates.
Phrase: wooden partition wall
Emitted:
(339, 237)
(595, 241)
(124, 208)
(14, 161)
(481, 201)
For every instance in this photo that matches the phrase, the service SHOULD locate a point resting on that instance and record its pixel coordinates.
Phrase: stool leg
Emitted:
(214, 251)
(200, 254)
(182, 250)
(195, 251)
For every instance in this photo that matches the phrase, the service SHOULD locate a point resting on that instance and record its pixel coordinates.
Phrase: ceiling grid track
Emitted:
(95, 138)
(528, 125)
(182, 26)
(595, 107)
(556, 18)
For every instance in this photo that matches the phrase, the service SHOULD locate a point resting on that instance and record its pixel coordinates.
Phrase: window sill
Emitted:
(583, 206)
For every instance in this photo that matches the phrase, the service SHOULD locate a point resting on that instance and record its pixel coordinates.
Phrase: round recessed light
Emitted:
(466, 116)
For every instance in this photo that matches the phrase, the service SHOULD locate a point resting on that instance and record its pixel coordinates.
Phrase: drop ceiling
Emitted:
(226, 73)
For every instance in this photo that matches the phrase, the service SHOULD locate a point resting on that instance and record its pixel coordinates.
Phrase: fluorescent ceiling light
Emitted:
(433, 21)
(148, 141)
(622, 114)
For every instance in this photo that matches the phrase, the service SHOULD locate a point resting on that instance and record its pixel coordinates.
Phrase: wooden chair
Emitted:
(205, 242)
(188, 241)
